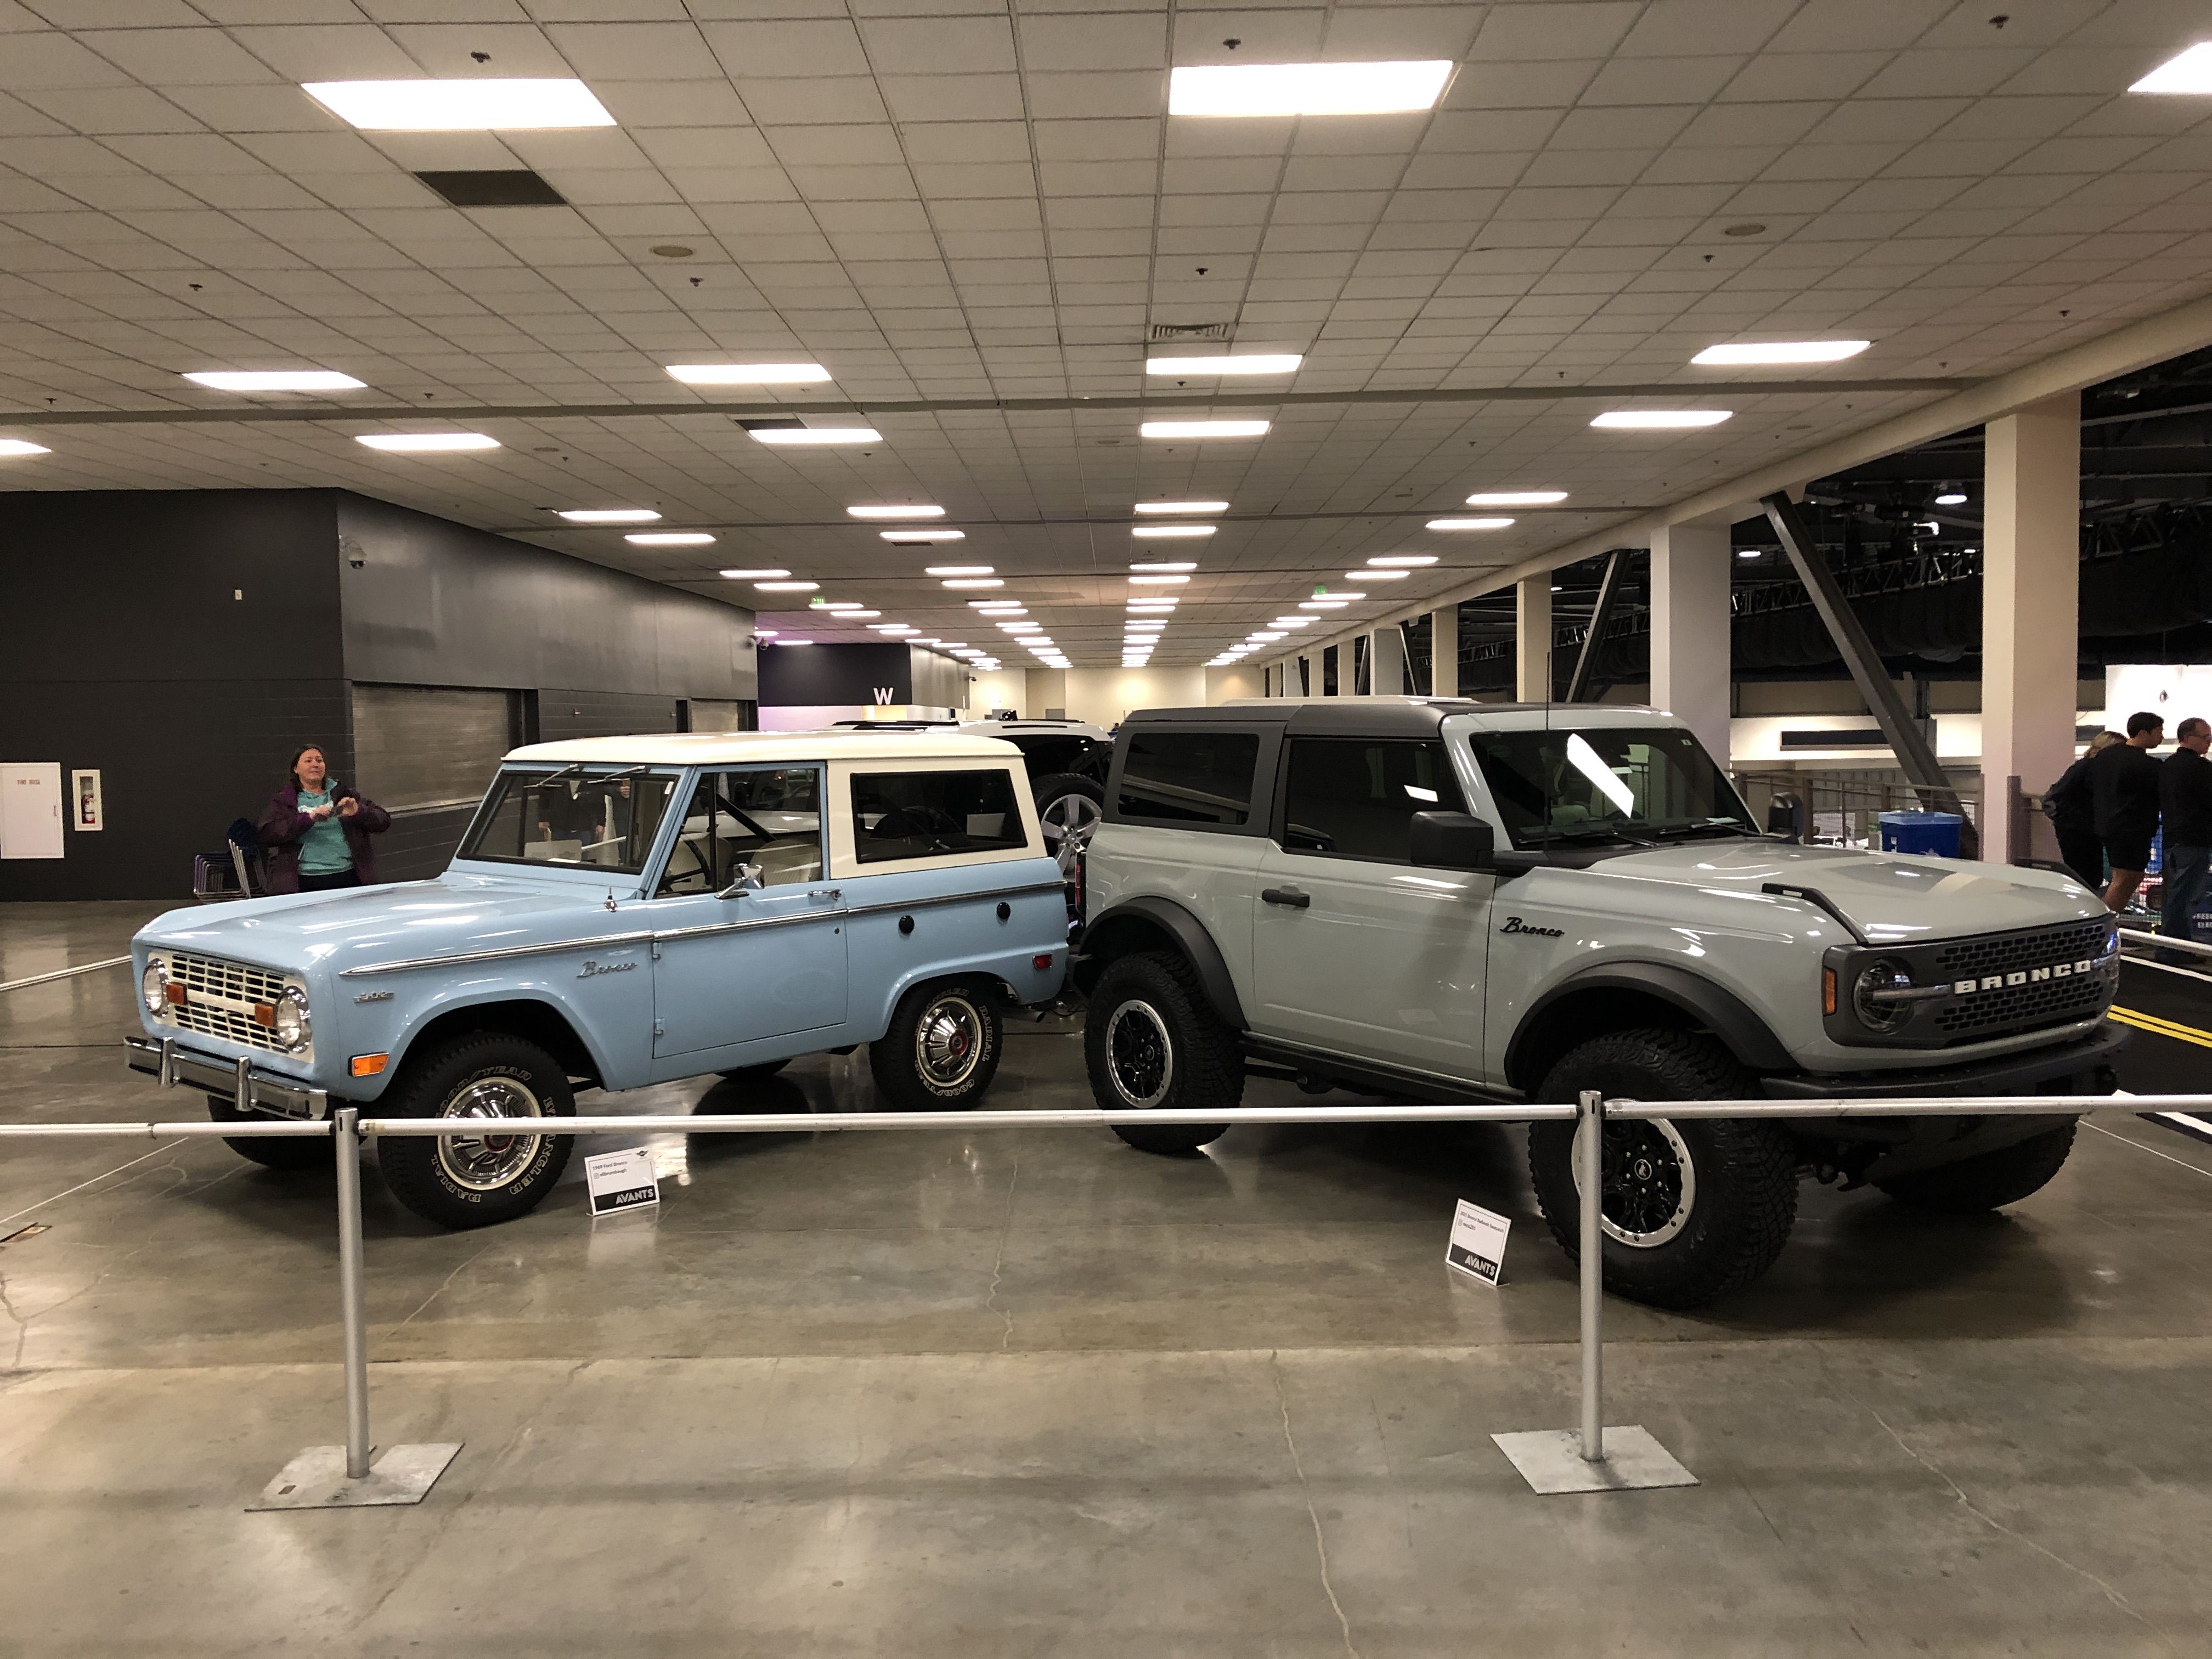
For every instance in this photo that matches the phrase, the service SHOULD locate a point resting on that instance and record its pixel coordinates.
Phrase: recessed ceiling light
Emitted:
(791, 641)
(1746, 552)
(426, 443)
(756, 575)
(896, 512)
(858, 616)
(817, 434)
(958, 570)
(836, 605)
(610, 514)
(1161, 581)
(275, 379)
(975, 581)
(1261, 89)
(748, 373)
(22, 446)
(1408, 559)
(1183, 506)
(1294, 622)
(1183, 565)
(1372, 574)
(1468, 524)
(1516, 498)
(1282, 363)
(2190, 72)
(1168, 532)
(998, 607)
(1660, 420)
(1951, 498)
(460, 105)
(670, 538)
(1021, 628)
(786, 587)
(1322, 605)
(1268, 638)
(915, 537)
(1203, 429)
(1793, 351)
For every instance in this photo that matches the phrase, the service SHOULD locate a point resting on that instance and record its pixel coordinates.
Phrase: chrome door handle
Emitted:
(1289, 896)
(825, 892)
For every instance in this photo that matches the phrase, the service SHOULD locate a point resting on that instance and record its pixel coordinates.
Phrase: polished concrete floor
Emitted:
(995, 1392)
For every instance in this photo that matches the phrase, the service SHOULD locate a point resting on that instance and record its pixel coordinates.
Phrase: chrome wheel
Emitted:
(948, 1042)
(485, 1163)
(1069, 823)
(1139, 1058)
(1650, 1183)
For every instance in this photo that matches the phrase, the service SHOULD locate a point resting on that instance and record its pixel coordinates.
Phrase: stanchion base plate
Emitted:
(316, 1478)
(1550, 1461)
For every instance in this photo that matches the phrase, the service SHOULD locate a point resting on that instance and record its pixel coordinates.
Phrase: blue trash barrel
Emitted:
(1921, 832)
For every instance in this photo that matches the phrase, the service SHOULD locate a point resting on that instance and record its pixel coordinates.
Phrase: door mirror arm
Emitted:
(749, 879)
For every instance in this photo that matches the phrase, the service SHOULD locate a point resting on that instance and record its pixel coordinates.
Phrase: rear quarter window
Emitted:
(898, 816)
(1196, 778)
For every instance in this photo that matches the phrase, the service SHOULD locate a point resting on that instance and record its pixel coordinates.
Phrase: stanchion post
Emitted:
(350, 1313)
(1589, 1176)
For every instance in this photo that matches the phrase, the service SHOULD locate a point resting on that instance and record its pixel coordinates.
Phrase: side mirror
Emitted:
(749, 879)
(1785, 817)
(1453, 841)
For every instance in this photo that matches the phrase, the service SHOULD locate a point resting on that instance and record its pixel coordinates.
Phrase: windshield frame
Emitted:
(466, 850)
(1636, 831)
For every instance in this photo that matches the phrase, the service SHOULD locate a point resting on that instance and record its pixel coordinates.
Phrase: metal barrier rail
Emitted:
(334, 1477)
(2162, 941)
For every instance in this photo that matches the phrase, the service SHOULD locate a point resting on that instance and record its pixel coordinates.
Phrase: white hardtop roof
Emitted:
(766, 748)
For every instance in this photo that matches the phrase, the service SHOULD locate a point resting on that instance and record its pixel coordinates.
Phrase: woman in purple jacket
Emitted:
(317, 830)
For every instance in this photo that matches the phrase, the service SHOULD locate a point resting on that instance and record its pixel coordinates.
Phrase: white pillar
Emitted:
(1386, 662)
(1443, 652)
(2031, 567)
(1690, 658)
(1532, 639)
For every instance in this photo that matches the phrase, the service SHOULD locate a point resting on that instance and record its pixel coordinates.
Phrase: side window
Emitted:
(926, 814)
(771, 817)
(1356, 797)
(1189, 777)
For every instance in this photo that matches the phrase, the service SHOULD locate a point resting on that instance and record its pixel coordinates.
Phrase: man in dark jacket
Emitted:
(2125, 779)
(2184, 790)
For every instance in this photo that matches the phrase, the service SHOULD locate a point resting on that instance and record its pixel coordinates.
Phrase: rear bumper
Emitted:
(2070, 1069)
(237, 1081)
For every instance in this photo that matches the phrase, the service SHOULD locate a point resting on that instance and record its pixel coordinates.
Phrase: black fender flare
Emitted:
(1151, 914)
(1725, 1014)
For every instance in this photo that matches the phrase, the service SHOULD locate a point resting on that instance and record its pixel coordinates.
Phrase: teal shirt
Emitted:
(322, 850)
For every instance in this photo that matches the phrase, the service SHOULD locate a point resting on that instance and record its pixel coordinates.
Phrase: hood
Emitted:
(1892, 898)
(353, 927)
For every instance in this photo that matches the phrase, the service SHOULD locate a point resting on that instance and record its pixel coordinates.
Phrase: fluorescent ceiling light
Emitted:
(957, 570)
(275, 379)
(756, 575)
(1021, 628)
(1516, 498)
(1294, 622)
(787, 587)
(670, 538)
(460, 105)
(1203, 428)
(791, 641)
(817, 435)
(765, 633)
(1746, 552)
(1282, 363)
(975, 581)
(748, 373)
(610, 514)
(426, 443)
(1468, 524)
(1168, 532)
(1660, 420)
(1409, 559)
(1268, 638)
(909, 537)
(896, 512)
(1260, 89)
(1323, 605)
(1372, 574)
(1951, 499)
(22, 446)
(999, 607)
(1183, 506)
(1162, 581)
(836, 605)
(1789, 351)
(1184, 565)
(2190, 72)
(858, 615)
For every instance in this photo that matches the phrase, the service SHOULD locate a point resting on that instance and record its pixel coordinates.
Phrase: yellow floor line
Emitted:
(2165, 1028)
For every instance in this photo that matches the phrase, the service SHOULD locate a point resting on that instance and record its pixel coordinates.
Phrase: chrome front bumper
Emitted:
(236, 1081)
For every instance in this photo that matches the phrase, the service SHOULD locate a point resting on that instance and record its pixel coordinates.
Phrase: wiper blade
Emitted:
(1726, 826)
(1595, 832)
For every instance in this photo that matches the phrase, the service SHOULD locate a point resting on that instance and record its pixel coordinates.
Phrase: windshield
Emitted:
(593, 817)
(1627, 783)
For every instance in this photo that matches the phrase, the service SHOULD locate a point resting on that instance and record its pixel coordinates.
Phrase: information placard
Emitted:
(1478, 1243)
(621, 1181)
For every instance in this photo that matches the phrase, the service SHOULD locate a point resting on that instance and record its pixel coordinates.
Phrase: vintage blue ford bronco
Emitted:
(626, 911)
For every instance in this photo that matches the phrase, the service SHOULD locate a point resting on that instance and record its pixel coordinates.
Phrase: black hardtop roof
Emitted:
(1358, 719)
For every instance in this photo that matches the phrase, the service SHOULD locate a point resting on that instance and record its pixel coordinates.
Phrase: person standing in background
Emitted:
(2125, 780)
(2184, 790)
(2071, 804)
(317, 830)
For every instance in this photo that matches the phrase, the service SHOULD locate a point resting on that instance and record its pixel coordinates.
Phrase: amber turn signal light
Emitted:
(1827, 990)
(369, 1064)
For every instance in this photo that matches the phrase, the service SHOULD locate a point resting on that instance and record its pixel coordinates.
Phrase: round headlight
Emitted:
(292, 1026)
(1876, 1010)
(154, 986)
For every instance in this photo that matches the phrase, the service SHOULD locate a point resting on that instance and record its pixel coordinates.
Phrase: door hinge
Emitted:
(654, 946)
(659, 1029)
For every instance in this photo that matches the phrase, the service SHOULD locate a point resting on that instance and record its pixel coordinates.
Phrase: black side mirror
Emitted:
(1785, 817)
(1453, 841)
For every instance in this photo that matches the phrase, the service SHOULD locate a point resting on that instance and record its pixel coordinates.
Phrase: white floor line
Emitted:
(2153, 1151)
(63, 973)
(2166, 968)
(95, 1181)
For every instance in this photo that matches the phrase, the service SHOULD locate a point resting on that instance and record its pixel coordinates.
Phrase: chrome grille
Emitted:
(220, 999)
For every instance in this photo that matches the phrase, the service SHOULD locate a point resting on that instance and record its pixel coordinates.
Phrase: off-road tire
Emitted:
(490, 1070)
(1989, 1182)
(938, 1079)
(760, 1073)
(1206, 1066)
(290, 1153)
(1743, 1173)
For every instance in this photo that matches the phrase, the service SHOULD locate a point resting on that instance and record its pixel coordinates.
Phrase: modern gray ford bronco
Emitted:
(1442, 900)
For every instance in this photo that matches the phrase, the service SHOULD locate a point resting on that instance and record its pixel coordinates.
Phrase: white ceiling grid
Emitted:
(951, 199)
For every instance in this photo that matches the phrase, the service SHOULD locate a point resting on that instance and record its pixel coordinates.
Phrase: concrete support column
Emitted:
(1532, 639)
(1386, 662)
(1690, 658)
(1443, 652)
(2031, 560)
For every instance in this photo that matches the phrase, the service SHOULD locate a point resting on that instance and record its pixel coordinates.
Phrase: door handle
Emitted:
(1289, 896)
(825, 892)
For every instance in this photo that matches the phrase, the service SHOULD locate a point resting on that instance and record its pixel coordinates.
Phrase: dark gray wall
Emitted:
(842, 676)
